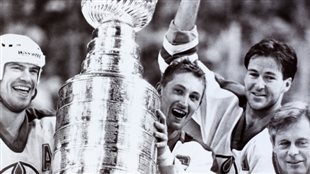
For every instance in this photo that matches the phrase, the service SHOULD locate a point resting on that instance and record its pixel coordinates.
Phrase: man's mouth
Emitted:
(258, 94)
(23, 89)
(178, 113)
(293, 162)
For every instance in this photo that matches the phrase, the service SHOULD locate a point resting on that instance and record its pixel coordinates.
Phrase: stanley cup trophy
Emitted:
(105, 114)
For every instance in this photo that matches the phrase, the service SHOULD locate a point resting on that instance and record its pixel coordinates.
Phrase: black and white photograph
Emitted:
(154, 86)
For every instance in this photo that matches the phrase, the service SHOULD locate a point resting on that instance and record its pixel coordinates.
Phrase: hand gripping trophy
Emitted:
(105, 114)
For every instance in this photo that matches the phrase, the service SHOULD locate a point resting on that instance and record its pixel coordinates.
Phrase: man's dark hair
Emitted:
(181, 67)
(283, 54)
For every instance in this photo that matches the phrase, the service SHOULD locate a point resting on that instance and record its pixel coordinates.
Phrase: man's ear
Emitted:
(158, 87)
(287, 84)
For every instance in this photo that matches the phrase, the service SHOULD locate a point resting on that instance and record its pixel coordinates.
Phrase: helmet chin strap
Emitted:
(35, 94)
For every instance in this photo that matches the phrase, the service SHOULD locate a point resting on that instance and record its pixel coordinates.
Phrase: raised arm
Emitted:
(234, 87)
(185, 18)
(181, 38)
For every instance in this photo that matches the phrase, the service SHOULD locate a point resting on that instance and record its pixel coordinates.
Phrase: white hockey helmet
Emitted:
(20, 48)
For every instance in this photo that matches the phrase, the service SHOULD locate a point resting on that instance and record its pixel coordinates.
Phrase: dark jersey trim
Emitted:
(33, 113)
(169, 58)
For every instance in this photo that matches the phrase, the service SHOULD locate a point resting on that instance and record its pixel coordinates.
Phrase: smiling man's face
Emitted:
(18, 85)
(264, 83)
(292, 147)
(180, 98)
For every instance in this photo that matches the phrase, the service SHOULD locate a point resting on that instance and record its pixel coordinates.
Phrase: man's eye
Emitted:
(194, 97)
(34, 71)
(270, 78)
(302, 143)
(252, 74)
(178, 91)
(284, 144)
(16, 67)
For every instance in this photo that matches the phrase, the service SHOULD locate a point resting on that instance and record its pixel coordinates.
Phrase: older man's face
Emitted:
(292, 147)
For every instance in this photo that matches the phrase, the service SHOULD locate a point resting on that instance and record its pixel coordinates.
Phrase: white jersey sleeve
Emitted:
(192, 157)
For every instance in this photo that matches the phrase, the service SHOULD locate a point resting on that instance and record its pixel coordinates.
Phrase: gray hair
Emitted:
(287, 115)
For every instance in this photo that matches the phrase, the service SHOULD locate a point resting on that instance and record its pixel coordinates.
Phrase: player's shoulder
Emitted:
(41, 119)
(35, 113)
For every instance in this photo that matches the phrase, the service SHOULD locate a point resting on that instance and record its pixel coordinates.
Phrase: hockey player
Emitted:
(26, 133)
(181, 89)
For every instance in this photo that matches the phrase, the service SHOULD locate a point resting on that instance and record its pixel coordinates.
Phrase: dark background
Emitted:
(227, 29)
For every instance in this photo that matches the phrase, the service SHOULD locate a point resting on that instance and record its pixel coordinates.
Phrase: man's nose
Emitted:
(25, 75)
(184, 101)
(293, 150)
(260, 83)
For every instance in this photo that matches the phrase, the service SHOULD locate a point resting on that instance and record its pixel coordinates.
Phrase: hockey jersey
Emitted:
(31, 151)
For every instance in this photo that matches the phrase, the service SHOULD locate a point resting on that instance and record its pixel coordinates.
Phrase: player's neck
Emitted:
(261, 117)
(11, 121)
(173, 137)
(172, 133)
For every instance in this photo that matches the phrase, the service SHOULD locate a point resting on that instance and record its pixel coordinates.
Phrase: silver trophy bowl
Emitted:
(137, 13)
(106, 114)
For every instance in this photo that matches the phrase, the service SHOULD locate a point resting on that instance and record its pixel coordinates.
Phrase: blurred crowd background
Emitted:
(227, 29)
